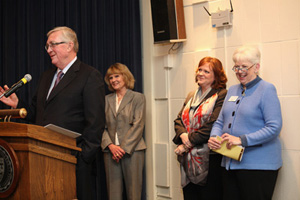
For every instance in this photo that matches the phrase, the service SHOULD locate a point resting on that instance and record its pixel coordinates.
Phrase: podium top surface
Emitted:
(12, 129)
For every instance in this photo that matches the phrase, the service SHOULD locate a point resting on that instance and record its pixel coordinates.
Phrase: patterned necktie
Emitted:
(58, 78)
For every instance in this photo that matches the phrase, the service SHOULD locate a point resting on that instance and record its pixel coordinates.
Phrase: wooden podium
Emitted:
(46, 166)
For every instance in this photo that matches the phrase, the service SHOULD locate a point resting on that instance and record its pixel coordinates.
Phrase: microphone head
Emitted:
(28, 77)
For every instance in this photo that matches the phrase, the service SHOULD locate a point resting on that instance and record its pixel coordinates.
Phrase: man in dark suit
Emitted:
(70, 95)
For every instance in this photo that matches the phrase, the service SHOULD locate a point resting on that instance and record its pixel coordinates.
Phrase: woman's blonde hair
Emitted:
(119, 68)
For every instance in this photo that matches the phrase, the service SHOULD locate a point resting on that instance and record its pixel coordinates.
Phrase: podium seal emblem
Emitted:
(9, 169)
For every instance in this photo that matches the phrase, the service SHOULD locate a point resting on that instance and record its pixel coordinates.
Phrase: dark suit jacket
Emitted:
(201, 135)
(77, 103)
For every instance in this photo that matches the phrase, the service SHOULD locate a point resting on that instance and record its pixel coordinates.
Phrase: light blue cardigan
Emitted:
(256, 119)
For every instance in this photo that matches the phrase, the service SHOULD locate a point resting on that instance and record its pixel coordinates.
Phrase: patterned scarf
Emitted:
(201, 114)
(194, 164)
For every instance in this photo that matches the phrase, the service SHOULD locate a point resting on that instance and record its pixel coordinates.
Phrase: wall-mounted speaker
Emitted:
(168, 21)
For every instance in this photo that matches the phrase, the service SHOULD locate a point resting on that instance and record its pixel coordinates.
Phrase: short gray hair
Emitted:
(246, 53)
(67, 34)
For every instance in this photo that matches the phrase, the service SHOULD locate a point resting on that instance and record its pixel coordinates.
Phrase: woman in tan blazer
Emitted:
(122, 141)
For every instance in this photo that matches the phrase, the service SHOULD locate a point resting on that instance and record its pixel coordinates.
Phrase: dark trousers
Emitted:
(213, 188)
(249, 184)
(85, 180)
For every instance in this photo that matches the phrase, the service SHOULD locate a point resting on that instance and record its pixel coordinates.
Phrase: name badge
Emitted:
(233, 98)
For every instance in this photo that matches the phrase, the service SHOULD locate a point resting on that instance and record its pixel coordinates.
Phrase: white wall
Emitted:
(272, 25)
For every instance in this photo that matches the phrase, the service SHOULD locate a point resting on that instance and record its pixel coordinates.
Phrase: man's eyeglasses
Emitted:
(53, 44)
(242, 68)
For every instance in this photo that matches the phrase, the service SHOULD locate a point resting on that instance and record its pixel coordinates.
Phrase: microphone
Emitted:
(16, 86)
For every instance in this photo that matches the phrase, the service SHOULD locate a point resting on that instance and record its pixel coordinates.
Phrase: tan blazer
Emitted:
(128, 122)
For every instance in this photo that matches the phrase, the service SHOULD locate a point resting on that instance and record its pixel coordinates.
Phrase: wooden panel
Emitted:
(180, 20)
(52, 178)
(47, 168)
(43, 177)
(45, 152)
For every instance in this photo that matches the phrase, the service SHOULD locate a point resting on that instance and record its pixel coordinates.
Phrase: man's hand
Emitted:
(12, 100)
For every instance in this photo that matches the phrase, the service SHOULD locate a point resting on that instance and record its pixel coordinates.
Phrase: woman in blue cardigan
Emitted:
(250, 117)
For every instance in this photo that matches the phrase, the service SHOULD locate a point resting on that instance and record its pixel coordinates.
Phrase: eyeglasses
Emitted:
(53, 44)
(243, 68)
